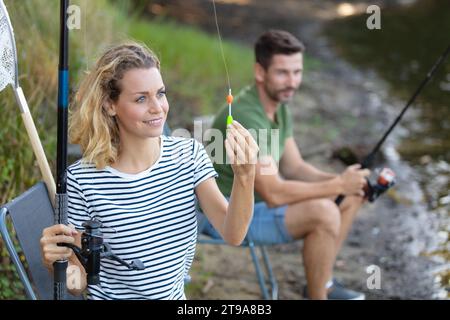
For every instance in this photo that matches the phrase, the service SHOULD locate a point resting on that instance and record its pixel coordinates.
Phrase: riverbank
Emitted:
(337, 105)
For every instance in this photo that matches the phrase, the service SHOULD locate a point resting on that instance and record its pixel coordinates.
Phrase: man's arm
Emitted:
(293, 167)
(277, 191)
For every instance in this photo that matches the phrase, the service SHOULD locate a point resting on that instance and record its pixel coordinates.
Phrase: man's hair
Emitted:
(276, 42)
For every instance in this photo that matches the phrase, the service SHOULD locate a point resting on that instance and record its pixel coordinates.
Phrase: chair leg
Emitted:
(273, 281)
(14, 256)
(259, 273)
(264, 276)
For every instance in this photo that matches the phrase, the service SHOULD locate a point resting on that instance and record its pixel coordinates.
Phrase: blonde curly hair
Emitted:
(90, 125)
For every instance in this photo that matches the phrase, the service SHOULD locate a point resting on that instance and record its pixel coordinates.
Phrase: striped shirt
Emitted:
(149, 216)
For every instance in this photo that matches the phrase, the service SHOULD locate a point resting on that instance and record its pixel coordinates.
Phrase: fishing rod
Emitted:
(60, 266)
(369, 159)
(229, 97)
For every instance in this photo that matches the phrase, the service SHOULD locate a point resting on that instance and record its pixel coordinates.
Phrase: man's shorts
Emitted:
(267, 226)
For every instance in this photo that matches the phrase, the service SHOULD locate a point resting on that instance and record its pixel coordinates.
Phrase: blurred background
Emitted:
(356, 81)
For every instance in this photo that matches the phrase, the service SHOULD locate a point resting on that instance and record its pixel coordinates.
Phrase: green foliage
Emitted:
(193, 68)
(37, 44)
(10, 285)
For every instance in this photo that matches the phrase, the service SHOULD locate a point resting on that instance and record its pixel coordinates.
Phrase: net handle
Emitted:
(26, 116)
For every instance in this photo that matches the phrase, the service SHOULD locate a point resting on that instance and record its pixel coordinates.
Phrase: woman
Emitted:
(143, 184)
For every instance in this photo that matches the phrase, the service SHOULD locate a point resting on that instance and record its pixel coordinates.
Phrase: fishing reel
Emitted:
(93, 249)
(384, 181)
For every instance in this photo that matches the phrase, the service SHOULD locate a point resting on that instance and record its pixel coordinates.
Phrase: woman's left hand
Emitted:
(242, 150)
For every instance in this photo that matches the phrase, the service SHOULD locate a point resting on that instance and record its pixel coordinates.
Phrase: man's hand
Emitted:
(353, 180)
(242, 150)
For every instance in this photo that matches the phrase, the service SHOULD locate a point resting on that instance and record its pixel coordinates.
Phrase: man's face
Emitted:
(283, 76)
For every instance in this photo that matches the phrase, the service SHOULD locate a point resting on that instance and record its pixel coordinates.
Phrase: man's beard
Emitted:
(276, 95)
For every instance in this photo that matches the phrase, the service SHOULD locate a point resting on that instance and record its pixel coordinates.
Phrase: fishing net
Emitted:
(7, 50)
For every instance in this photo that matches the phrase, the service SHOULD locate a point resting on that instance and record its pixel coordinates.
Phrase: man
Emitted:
(293, 199)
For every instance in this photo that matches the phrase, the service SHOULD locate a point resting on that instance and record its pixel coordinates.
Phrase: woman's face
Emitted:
(142, 106)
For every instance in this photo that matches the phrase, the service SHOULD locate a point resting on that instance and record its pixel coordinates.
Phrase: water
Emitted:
(410, 41)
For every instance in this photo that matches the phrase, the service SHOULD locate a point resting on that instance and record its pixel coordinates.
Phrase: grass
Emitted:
(193, 68)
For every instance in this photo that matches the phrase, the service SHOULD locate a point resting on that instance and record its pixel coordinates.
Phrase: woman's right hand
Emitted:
(53, 235)
(242, 150)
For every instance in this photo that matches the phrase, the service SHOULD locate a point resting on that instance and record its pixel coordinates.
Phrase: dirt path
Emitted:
(337, 105)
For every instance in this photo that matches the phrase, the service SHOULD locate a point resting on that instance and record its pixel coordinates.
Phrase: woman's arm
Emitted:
(232, 220)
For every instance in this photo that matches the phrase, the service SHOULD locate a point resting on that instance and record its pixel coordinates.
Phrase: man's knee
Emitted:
(352, 202)
(327, 216)
(312, 215)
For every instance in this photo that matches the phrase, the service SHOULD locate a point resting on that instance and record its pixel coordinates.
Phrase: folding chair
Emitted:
(265, 277)
(30, 213)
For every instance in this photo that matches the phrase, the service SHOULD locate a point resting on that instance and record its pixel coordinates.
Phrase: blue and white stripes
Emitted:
(153, 215)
